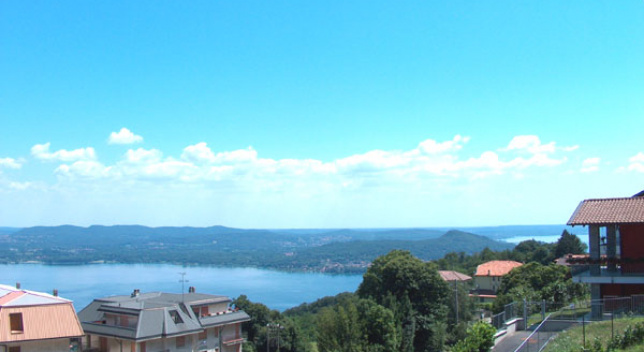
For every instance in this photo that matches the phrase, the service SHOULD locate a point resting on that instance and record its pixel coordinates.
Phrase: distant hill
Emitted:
(340, 250)
(356, 254)
(507, 231)
(8, 230)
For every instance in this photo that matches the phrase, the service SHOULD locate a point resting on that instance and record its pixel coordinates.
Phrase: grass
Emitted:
(564, 314)
(572, 340)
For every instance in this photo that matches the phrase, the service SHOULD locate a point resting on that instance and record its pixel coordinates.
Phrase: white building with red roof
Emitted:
(488, 276)
(35, 321)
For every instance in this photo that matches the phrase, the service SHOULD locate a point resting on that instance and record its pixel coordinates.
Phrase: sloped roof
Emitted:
(496, 268)
(13, 297)
(450, 275)
(43, 316)
(609, 211)
(155, 312)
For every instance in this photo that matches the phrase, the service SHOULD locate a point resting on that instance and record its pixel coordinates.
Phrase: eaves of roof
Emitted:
(609, 211)
(222, 319)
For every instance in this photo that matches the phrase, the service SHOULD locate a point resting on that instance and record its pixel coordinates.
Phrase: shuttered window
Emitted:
(16, 323)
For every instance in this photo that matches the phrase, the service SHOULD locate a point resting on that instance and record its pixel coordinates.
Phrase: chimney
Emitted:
(17, 285)
(136, 293)
(191, 289)
(56, 292)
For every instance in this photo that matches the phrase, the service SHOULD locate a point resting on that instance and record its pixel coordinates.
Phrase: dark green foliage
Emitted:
(536, 282)
(356, 325)
(569, 244)
(480, 338)
(534, 251)
(416, 293)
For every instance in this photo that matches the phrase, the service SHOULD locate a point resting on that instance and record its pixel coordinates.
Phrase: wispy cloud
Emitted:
(124, 136)
(590, 165)
(10, 163)
(636, 162)
(41, 152)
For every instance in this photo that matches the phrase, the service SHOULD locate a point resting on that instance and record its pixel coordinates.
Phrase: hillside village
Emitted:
(403, 304)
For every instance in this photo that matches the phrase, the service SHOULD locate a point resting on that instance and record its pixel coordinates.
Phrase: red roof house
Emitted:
(615, 266)
(488, 278)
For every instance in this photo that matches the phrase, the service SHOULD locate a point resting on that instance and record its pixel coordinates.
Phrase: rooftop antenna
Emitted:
(183, 282)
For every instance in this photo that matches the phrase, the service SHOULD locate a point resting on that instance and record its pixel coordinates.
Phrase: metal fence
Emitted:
(578, 314)
(510, 311)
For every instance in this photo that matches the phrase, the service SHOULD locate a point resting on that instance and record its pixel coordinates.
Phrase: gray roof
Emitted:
(155, 312)
(228, 318)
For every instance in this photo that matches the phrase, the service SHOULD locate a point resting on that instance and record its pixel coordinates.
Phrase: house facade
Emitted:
(156, 321)
(37, 322)
(488, 276)
(615, 266)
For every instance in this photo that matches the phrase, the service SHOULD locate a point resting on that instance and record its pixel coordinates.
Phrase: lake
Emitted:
(82, 283)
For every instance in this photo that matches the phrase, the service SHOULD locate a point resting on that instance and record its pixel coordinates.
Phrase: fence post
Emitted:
(525, 314)
(543, 309)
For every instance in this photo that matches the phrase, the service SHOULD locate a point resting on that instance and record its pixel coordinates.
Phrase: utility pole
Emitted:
(269, 327)
(183, 281)
(456, 301)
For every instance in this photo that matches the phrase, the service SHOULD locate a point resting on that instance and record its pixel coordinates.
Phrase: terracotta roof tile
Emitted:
(450, 275)
(609, 211)
(496, 268)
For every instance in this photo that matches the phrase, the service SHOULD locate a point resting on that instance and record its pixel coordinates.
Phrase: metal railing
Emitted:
(580, 313)
(510, 311)
(537, 340)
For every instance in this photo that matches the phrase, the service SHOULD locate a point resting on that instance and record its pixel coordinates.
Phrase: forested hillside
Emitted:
(314, 250)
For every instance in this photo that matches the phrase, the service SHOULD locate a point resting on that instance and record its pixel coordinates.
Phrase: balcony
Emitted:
(617, 272)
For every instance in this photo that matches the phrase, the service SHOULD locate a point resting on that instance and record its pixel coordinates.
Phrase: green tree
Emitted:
(480, 338)
(339, 329)
(534, 251)
(397, 278)
(569, 244)
(536, 282)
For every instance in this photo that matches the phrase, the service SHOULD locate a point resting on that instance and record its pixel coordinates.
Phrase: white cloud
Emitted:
(124, 136)
(10, 163)
(198, 153)
(41, 151)
(532, 144)
(143, 156)
(430, 159)
(84, 169)
(636, 163)
(430, 146)
(590, 165)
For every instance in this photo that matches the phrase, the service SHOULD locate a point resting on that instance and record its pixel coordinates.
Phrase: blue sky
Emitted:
(291, 114)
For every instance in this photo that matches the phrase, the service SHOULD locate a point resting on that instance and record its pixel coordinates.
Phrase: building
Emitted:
(452, 276)
(488, 276)
(615, 266)
(156, 321)
(37, 322)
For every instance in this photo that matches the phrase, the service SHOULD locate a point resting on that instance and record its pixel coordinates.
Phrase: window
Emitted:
(203, 335)
(181, 341)
(176, 318)
(204, 311)
(16, 323)
(14, 349)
